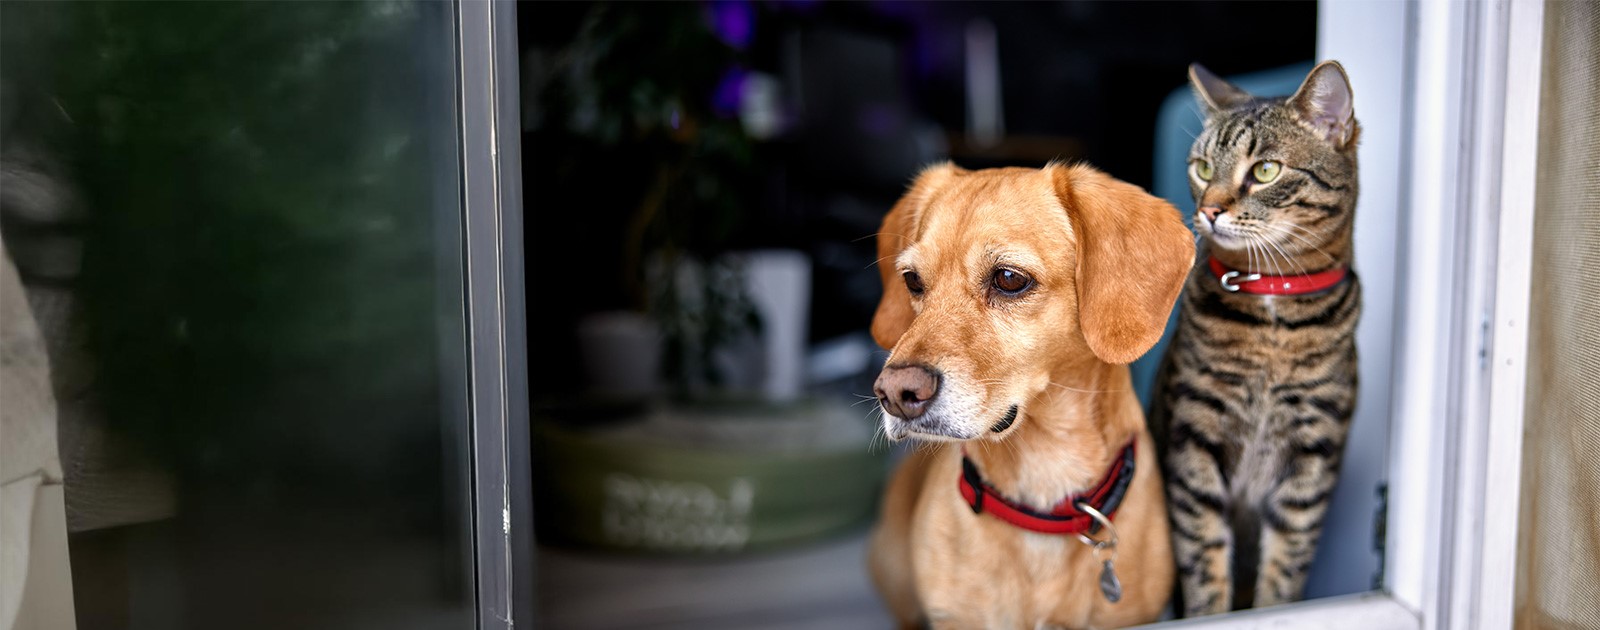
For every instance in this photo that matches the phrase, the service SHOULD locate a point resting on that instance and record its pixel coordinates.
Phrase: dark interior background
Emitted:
(869, 92)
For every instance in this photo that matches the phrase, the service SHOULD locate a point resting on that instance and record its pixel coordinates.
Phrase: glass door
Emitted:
(243, 347)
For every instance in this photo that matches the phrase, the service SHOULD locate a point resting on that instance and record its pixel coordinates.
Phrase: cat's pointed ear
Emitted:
(1325, 103)
(1214, 91)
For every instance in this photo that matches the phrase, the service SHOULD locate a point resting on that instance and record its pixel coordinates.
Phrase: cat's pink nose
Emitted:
(1211, 213)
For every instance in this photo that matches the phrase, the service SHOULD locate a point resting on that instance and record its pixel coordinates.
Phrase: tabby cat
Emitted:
(1259, 383)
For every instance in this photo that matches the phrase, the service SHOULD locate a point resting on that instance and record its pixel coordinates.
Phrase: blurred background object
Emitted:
(35, 573)
(636, 145)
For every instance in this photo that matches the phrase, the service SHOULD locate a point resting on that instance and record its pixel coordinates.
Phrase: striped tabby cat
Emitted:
(1259, 383)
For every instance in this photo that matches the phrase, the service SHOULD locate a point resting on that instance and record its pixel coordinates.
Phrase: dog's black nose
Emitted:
(906, 390)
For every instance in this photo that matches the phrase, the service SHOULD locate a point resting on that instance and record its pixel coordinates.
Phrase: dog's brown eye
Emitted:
(1010, 281)
(914, 283)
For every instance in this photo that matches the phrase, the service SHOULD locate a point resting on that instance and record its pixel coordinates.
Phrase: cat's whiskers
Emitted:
(1262, 262)
(1254, 266)
(1285, 256)
(1266, 254)
(1280, 229)
(1274, 252)
(1250, 252)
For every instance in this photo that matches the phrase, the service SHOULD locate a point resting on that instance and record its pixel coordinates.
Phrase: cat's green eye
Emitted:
(1266, 171)
(1202, 169)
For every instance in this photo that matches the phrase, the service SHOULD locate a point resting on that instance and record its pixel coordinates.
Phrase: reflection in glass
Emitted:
(237, 225)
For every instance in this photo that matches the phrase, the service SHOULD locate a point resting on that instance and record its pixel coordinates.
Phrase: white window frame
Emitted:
(1463, 208)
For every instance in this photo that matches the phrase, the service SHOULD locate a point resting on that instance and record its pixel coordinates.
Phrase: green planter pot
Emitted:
(708, 480)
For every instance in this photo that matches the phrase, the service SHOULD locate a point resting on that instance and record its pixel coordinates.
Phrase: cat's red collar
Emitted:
(1234, 281)
(1067, 517)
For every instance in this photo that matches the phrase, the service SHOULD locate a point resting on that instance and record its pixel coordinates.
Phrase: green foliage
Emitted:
(630, 109)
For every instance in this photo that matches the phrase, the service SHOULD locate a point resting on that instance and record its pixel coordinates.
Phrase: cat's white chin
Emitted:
(1224, 240)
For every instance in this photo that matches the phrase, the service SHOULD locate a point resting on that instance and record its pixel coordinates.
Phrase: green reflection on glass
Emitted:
(268, 290)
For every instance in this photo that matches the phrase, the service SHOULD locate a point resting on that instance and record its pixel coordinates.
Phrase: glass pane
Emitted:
(237, 226)
(1559, 550)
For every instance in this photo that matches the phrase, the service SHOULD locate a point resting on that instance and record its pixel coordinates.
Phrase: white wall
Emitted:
(1368, 38)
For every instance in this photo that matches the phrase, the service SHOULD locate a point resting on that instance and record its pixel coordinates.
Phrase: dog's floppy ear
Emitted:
(898, 232)
(1133, 255)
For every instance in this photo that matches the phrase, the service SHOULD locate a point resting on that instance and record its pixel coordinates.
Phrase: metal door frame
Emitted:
(491, 192)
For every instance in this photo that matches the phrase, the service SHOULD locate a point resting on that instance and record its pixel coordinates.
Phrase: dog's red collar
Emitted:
(1065, 517)
(1234, 281)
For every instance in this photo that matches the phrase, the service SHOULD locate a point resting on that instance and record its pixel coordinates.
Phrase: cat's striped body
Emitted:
(1257, 391)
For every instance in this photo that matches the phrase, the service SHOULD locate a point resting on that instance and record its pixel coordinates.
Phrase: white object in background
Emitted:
(986, 123)
(621, 353)
(35, 577)
(780, 287)
(840, 357)
(761, 109)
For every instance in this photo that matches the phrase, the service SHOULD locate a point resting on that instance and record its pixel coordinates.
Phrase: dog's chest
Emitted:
(1041, 568)
(1043, 555)
(1009, 578)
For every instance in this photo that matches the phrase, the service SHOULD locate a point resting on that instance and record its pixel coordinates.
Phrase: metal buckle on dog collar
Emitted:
(1110, 585)
(1111, 530)
(1232, 275)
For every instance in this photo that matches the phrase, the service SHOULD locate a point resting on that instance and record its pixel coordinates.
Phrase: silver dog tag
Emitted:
(1110, 586)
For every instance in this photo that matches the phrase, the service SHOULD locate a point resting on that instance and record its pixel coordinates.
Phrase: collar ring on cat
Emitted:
(1227, 278)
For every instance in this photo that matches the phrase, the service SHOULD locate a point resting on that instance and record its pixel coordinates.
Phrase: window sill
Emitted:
(1370, 611)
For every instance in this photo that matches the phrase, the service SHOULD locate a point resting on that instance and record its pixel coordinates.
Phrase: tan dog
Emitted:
(1012, 300)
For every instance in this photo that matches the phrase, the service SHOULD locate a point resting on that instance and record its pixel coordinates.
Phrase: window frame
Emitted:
(1468, 157)
(487, 91)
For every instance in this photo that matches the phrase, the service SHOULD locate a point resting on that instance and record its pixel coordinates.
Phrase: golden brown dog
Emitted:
(1013, 298)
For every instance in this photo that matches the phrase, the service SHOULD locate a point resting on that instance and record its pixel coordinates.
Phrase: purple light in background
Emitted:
(733, 22)
(878, 120)
(729, 94)
(927, 51)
